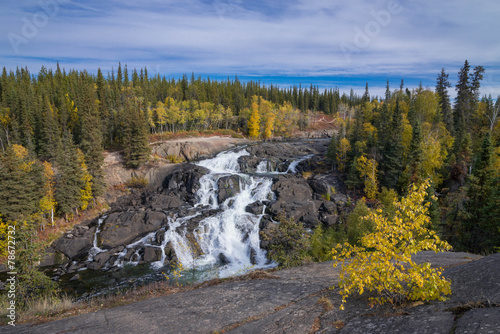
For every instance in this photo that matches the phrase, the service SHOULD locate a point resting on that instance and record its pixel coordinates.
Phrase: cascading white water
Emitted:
(293, 165)
(263, 166)
(232, 234)
(95, 248)
(228, 239)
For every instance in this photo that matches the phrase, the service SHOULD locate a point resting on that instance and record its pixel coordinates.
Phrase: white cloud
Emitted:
(302, 37)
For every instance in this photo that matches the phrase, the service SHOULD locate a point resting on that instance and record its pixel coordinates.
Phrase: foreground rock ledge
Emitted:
(295, 303)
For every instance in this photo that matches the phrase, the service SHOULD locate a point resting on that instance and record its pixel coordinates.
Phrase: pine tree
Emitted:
(70, 175)
(19, 184)
(478, 229)
(392, 153)
(442, 86)
(136, 141)
(91, 140)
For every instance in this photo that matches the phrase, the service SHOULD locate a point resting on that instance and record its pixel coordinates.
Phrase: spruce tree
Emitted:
(91, 140)
(50, 132)
(442, 86)
(416, 152)
(479, 228)
(136, 141)
(69, 179)
(20, 178)
(392, 153)
(331, 153)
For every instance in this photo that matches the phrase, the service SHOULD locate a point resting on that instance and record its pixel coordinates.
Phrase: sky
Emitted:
(330, 44)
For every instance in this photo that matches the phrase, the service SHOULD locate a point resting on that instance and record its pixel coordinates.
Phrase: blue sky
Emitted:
(328, 43)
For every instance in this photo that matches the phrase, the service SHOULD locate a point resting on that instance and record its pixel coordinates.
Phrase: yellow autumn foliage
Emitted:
(367, 169)
(382, 263)
(344, 148)
(254, 122)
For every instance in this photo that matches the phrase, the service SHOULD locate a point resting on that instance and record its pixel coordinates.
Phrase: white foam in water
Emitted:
(225, 162)
(262, 167)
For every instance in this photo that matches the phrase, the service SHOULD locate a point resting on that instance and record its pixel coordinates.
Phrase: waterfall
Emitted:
(95, 249)
(228, 237)
(233, 234)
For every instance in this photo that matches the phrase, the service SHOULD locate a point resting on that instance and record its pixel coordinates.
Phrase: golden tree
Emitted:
(254, 122)
(367, 169)
(48, 202)
(344, 148)
(383, 263)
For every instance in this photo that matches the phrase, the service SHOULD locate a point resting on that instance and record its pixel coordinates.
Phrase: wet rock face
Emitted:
(185, 182)
(249, 163)
(229, 186)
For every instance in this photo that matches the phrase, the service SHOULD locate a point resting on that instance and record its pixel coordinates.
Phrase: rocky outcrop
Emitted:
(185, 182)
(194, 148)
(76, 243)
(300, 300)
(121, 228)
(228, 186)
(305, 200)
(287, 150)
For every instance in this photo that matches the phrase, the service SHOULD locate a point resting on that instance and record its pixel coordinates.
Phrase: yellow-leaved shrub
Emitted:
(382, 262)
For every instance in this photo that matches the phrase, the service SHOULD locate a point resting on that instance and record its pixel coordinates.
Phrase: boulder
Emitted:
(255, 208)
(185, 182)
(331, 220)
(53, 257)
(170, 253)
(249, 163)
(340, 199)
(152, 254)
(229, 186)
(125, 227)
(77, 244)
(163, 202)
(306, 212)
(130, 253)
(328, 207)
(291, 188)
(75, 266)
